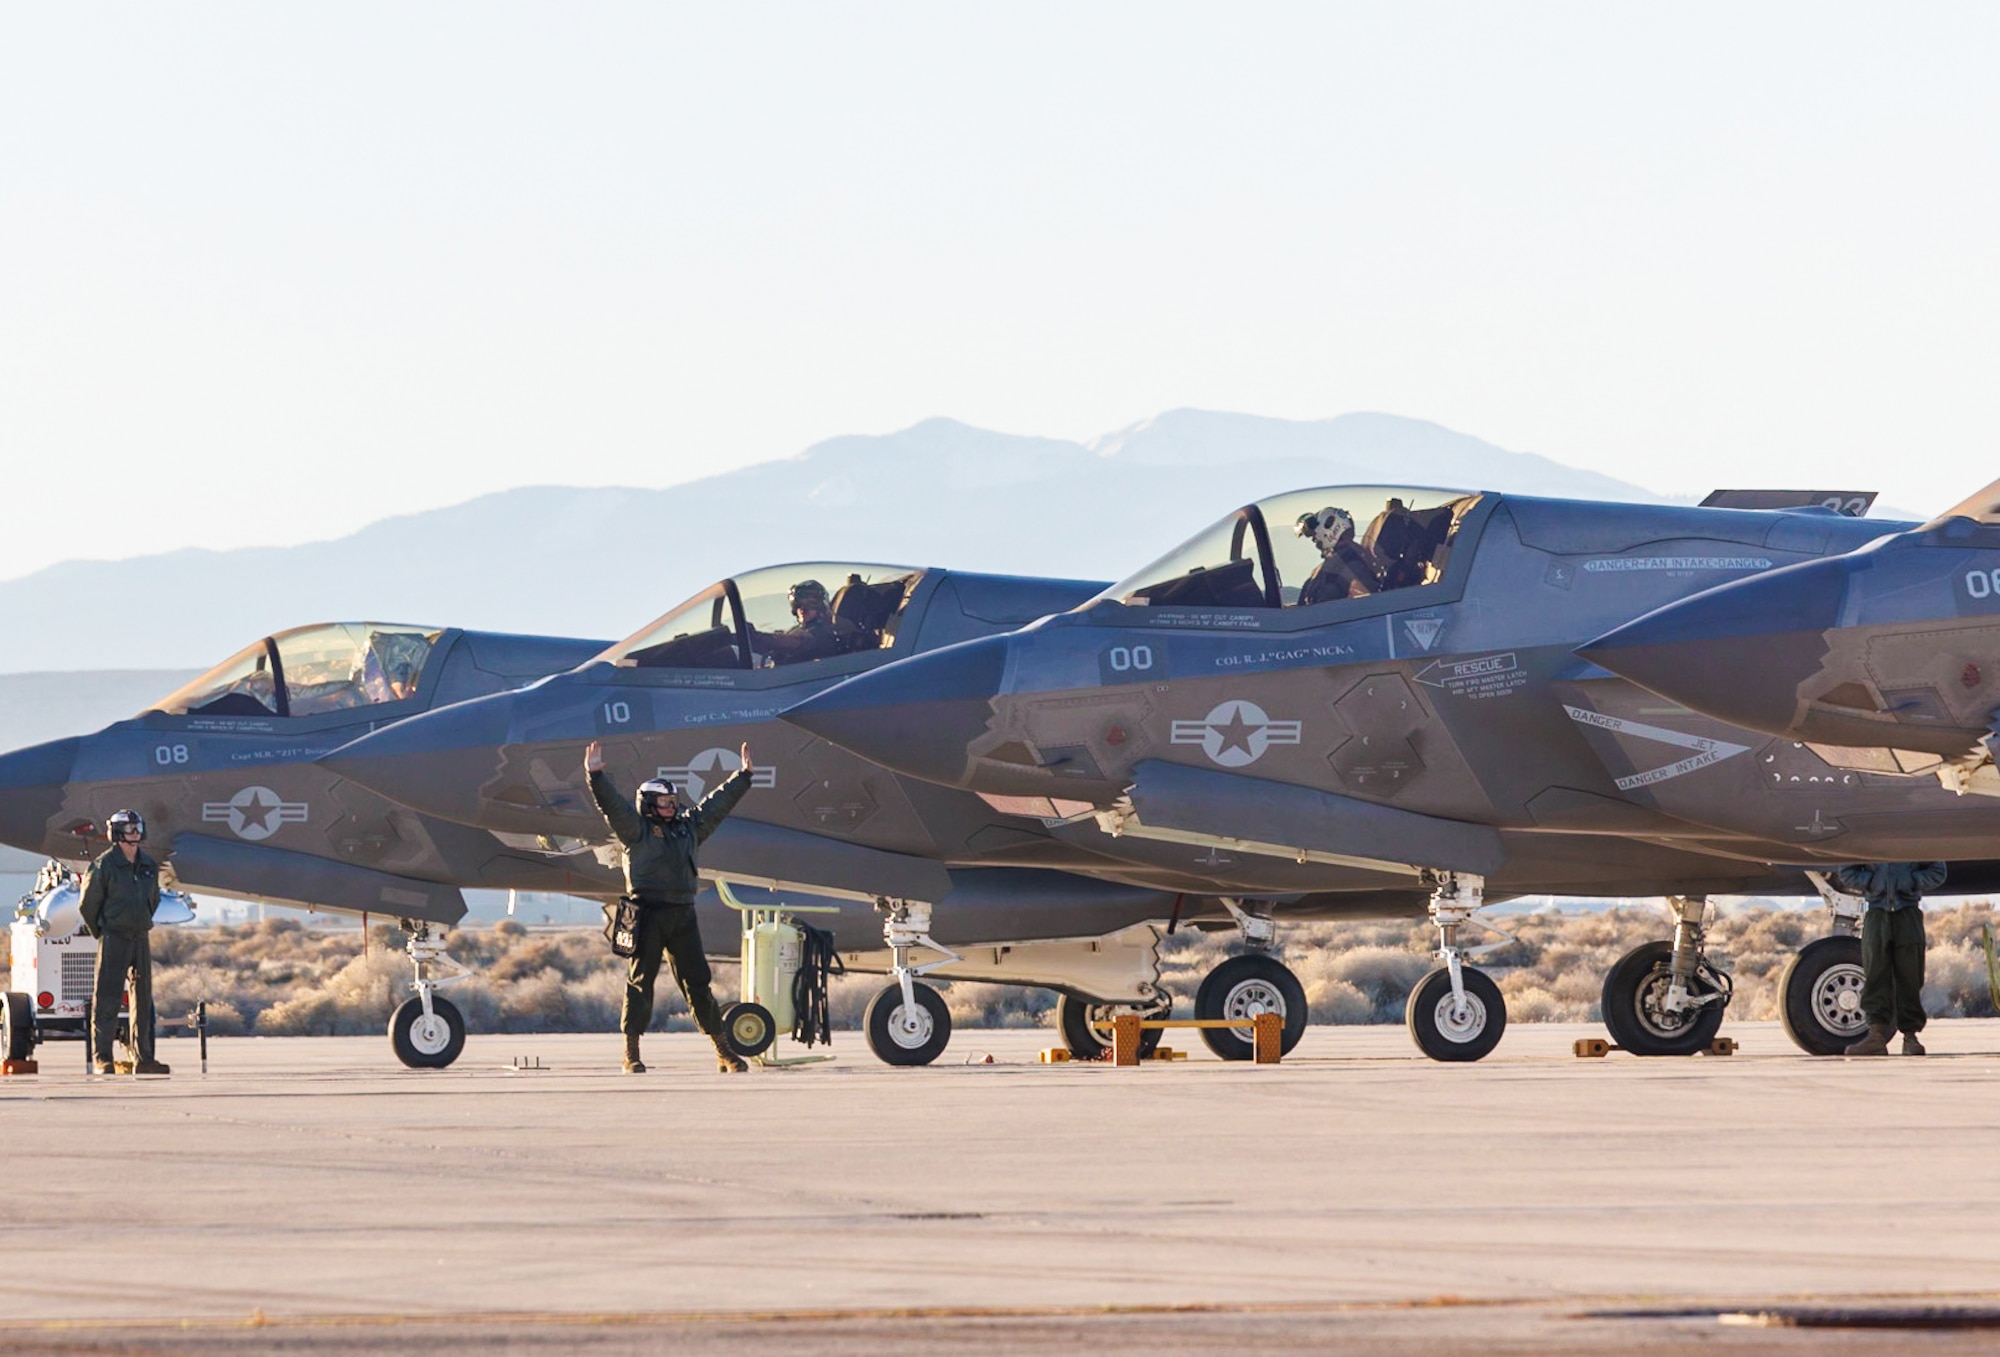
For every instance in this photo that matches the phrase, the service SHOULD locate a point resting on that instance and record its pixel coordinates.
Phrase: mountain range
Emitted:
(602, 562)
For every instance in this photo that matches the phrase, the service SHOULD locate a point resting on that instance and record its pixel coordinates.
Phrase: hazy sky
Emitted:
(268, 272)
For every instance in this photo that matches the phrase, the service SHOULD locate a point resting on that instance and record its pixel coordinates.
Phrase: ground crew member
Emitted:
(660, 833)
(1892, 948)
(120, 893)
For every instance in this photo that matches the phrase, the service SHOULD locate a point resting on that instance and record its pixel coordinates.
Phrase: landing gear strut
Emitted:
(1456, 1012)
(428, 1032)
(1820, 991)
(1245, 986)
(1664, 998)
(908, 1023)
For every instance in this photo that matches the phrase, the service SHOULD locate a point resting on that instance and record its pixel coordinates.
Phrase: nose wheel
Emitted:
(907, 1030)
(427, 1040)
(1452, 1026)
(1456, 1012)
(428, 1032)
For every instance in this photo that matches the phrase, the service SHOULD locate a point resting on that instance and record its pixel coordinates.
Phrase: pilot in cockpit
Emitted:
(816, 634)
(1346, 568)
(389, 666)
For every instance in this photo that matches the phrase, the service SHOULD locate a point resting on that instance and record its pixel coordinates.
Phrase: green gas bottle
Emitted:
(772, 949)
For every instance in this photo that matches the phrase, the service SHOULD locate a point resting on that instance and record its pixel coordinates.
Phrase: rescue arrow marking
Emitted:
(1707, 751)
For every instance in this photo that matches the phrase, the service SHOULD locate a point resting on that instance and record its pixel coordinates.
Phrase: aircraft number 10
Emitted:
(618, 713)
(1124, 659)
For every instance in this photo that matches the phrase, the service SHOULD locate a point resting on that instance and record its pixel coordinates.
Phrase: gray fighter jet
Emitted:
(223, 772)
(1370, 697)
(964, 891)
(1885, 660)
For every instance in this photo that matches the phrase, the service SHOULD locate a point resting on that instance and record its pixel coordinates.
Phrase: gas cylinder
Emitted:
(772, 949)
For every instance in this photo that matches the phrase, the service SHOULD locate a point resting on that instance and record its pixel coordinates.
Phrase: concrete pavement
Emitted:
(1356, 1189)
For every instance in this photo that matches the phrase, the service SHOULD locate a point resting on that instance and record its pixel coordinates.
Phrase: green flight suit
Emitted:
(119, 898)
(661, 875)
(1892, 939)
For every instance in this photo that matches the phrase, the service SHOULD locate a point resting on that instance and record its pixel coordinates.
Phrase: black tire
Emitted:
(892, 1043)
(748, 1029)
(1074, 1017)
(1243, 987)
(1630, 1003)
(17, 1025)
(1820, 996)
(424, 1046)
(1428, 1016)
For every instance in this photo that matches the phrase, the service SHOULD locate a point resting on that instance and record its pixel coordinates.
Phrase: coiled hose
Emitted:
(817, 961)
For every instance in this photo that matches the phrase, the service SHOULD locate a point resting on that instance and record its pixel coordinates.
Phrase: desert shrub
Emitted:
(278, 978)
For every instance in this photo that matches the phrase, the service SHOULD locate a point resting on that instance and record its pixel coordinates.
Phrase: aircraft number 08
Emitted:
(1125, 659)
(1983, 583)
(618, 713)
(168, 754)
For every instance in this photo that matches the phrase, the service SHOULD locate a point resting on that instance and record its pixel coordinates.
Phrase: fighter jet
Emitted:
(222, 770)
(1886, 661)
(964, 891)
(1373, 695)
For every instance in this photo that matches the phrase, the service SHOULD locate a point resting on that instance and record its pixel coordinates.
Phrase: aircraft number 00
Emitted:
(168, 754)
(618, 713)
(1983, 583)
(1124, 659)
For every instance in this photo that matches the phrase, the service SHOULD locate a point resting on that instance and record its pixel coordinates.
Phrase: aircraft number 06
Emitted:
(168, 754)
(1983, 583)
(618, 713)
(1124, 659)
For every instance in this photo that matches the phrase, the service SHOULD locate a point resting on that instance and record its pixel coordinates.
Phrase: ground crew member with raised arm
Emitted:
(1892, 948)
(660, 833)
(120, 894)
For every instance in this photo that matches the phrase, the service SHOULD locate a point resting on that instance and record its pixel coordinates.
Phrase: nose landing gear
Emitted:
(1455, 1013)
(428, 1032)
(908, 1023)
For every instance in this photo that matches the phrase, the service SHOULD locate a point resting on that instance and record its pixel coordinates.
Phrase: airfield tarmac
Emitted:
(308, 1195)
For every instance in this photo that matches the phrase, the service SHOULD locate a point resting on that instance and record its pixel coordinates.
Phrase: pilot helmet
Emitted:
(1326, 528)
(651, 793)
(122, 820)
(807, 594)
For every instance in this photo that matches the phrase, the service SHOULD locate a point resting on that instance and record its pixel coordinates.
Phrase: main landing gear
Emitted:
(1665, 998)
(428, 1032)
(1245, 986)
(1819, 994)
(1456, 1012)
(908, 1023)
(1077, 1019)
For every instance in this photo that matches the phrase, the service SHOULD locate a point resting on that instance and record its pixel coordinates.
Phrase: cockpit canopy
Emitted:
(1307, 547)
(309, 671)
(748, 622)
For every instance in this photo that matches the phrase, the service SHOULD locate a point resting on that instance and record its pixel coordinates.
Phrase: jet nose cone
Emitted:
(437, 763)
(1741, 652)
(916, 716)
(31, 791)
